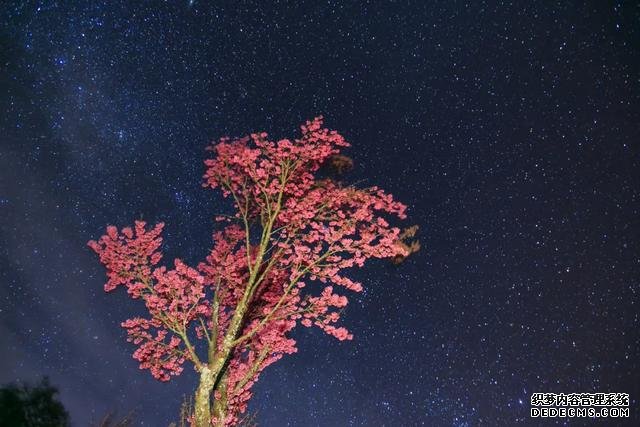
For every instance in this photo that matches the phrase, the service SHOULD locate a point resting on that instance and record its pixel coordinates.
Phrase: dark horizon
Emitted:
(509, 130)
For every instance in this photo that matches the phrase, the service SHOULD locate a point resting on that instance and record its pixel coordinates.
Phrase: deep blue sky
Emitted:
(510, 130)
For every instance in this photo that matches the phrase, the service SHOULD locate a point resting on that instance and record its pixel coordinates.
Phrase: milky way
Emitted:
(510, 130)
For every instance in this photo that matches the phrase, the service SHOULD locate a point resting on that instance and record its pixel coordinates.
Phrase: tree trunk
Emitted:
(203, 398)
(210, 373)
(220, 405)
(203, 407)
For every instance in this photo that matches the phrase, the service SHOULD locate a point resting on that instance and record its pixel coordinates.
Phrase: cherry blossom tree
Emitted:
(279, 261)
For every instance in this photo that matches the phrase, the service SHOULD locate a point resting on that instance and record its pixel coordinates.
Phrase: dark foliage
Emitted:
(22, 405)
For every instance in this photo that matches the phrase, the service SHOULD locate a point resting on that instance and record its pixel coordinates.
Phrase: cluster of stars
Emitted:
(509, 130)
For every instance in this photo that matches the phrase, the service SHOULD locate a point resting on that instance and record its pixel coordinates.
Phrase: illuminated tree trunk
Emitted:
(220, 404)
(213, 381)
(203, 398)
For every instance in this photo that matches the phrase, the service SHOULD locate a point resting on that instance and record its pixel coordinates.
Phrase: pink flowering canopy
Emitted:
(279, 261)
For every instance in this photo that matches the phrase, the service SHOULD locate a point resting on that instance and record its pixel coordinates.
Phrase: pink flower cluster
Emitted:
(173, 298)
(315, 230)
(248, 363)
(130, 255)
(253, 166)
(319, 310)
(162, 358)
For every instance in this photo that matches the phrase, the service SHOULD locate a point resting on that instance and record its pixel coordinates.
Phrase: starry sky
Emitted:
(509, 129)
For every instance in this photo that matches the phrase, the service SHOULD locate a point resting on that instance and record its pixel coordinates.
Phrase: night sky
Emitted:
(510, 130)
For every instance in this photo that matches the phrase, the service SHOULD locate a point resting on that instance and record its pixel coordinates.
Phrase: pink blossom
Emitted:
(316, 230)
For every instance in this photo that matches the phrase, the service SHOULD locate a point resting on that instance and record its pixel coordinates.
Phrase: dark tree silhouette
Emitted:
(22, 405)
(110, 420)
(409, 246)
(339, 164)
